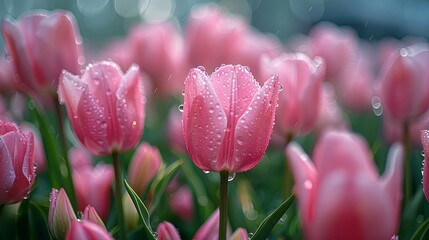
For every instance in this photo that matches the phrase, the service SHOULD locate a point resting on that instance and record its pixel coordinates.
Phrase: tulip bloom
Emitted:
(167, 231)
(61, 213)
(425, 143)
(228, 118)
(42, 44)
(105, 107)
(301, 78)
(340, 195)
(17, 163)
(182, 203)
(86, 230)
(91, 215)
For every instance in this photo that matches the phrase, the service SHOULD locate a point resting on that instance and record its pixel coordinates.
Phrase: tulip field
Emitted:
(207, 127)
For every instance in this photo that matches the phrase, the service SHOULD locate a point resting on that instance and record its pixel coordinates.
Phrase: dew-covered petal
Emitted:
(204, 120)
(425, 143)
(254, 127)
(7, 171)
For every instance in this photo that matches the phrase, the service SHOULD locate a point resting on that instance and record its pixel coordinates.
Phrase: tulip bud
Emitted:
(239, 234)
(91, 215)
(144, 166)
(182, 204)
(167, 231)
(61, 213)
(86, 230)
(130, 212)
(210, 229)
(17, 163)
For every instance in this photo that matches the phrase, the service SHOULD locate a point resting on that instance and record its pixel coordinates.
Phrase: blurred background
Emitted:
(101, 20)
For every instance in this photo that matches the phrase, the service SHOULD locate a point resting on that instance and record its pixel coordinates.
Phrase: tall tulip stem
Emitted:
(407, 164)
(223, 206)
(118, 195)
(68, 179)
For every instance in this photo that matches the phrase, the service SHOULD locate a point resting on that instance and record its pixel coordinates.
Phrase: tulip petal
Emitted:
(7, 171)
(254, 127)
(210, 229)
(425, 143)
(204, 121)
(306, 178)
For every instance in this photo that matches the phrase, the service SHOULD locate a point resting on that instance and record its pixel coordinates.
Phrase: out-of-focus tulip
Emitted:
(425, 143)
(17, 163)
(130, 212)
(239, 234)
(143, 167)
(91, 215)
(404, 83)
(42, 44)
(301, 78)
(79, 157)
(210, 229)
(7, 77)
(86, 230)
(228, 118)
(92, 186)
(174, 131)
(61, 213)
(105, 107)
(340, 195)
(159, 51)
(120, 51)
(182, 203)
(167, 231)
(39, 152)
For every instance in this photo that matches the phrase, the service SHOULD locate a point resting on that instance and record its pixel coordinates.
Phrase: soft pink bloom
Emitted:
(174, 131)
(7, 77)
(167, 231)
(39, 152)
(336, 45)
(105, 107)
(404, 82)
(239, 234)
(79, 157)
(86, 230)
(17, 163)
(299, 103)
(425, 172)
(61, 213)
(143, 167)
(210, 229)
(182, 203)
(120, 52)
(92, 186)
(159, 51)
(42, 44)
(228, 118)
(340, 195)
(91, 215)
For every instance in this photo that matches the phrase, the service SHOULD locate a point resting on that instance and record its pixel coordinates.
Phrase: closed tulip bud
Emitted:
(105, 107)
(144, 166)
(167, 231)
(61, 213)
(86, 230)
(130, 212)
(340, 195)
(228, 118)
(239, 234)
(42, 44)
(91, 215)
(210, 229)
(301, 78)
(92, 186)
(17, 163)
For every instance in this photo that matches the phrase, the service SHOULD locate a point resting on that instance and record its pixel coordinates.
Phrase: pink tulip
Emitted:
(404, 83)
(92, 186)
(228, 118)
(79, 157)
(90, 214)
(301, 78)
(182, 203)
(105, 107)
(39, 152)
(425, 172)
(86, 230)
(210, 229)
(144, 166)
(61, 213)
(42, 44)
(17, 163)
(174, 131)
(239, 234)
(159, 51)
(167, 231)
(7, 77)
(340, 195)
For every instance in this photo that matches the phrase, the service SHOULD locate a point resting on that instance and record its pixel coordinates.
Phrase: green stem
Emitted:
(67, 176)
(223, 206)
(118, 196)
(407, 163)
(288, 180)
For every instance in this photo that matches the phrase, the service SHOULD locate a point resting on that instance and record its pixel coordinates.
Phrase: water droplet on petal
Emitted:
(206, 172)
(180, 108)
(281, 87)
(201, 68)
(183, 92)
(231, 176)
(249, 236)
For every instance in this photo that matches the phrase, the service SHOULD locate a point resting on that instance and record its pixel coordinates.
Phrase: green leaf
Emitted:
(422, 231)
(271, 220)
(141, 209)
(160, 183)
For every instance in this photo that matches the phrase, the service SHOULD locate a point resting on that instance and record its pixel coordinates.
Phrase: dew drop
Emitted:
(281, 87)
(403, 52)
(155, 235)
(377, 106)
(206, 172)
(201, 68)
(180, 107)
(79, 214)
(134, 123)
(231, 176)
(183, 92)
(211, 110)
(249, 236)
(423, 155)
